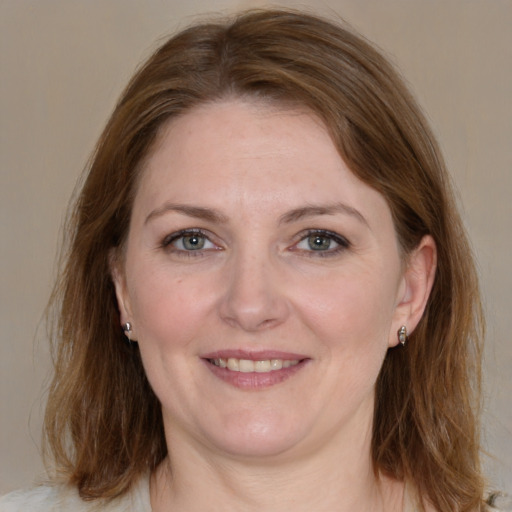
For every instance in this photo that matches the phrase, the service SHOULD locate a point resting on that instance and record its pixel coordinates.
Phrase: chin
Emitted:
(258, 438)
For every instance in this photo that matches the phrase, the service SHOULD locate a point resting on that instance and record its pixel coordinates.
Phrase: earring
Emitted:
(127, 328)
(402, 335)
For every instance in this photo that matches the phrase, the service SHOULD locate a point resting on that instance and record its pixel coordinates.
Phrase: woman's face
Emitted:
(263, 281)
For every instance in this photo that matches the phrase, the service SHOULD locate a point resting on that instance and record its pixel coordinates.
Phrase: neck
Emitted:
(336, 476)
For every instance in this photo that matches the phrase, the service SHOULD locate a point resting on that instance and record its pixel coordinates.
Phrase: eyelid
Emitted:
(342, 241)
(173, 237)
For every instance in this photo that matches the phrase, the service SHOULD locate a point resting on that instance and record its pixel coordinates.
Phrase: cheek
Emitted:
(171, 317)
(168, 309)
(358, 306)
(351, 316)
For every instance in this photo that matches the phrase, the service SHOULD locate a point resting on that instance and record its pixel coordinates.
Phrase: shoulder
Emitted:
(42, 498)
(499, 502)
(61, 498)
(495, 502)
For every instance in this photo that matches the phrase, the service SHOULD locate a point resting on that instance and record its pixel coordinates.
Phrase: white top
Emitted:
(46, 498)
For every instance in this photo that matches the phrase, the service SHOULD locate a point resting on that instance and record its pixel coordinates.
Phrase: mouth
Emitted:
(259, 370)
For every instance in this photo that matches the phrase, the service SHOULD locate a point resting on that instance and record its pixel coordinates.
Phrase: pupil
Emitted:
(319, 243)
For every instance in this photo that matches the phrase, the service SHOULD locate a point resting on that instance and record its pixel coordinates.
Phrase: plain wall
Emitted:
(63, 64)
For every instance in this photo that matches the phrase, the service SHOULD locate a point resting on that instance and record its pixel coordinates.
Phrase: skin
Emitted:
(256, 180)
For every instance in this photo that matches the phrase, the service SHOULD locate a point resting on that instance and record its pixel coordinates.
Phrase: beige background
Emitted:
(63, 64)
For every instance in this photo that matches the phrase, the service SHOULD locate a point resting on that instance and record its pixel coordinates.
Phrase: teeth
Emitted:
(249, 366)
(276, 364)
(246, 365)
(262, 366)
(234, 364)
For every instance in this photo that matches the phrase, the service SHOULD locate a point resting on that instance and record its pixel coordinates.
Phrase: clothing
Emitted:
(61, 498)
(65, 499)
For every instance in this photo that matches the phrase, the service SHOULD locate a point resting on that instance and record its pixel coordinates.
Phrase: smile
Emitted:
(254, 370)
(250, 366)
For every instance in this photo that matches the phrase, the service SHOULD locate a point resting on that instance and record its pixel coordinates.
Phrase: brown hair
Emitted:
(103, 422)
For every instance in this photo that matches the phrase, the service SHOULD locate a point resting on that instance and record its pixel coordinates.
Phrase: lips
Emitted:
(254, 370)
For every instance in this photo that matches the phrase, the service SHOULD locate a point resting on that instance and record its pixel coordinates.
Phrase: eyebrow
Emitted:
(314, 210)
(212, 215)
(197, 212)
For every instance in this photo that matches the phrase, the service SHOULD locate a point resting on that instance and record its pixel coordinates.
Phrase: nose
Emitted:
(254, 297)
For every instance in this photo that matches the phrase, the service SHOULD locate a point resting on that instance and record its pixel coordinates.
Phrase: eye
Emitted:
(188, 241)
(317, 243)
(322, 242)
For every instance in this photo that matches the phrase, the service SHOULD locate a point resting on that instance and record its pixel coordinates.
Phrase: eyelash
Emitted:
(342, 243)
(174, 237)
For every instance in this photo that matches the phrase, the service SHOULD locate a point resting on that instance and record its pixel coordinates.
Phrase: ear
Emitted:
(123, 301)
(415, 287)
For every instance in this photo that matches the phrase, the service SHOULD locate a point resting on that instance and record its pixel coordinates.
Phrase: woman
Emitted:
(268, 290)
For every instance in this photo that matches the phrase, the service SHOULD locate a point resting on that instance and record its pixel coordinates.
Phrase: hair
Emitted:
(103, 422)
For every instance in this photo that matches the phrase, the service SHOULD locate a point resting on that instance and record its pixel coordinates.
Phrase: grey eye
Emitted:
(323, 243)
(188, 241)
(192, 242)
(318, 242)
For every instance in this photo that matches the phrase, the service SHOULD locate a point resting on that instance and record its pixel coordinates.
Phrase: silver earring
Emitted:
(127, 328)
(402, 335)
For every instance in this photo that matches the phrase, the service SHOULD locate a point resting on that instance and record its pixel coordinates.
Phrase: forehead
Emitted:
(244, 152)
(243, 123)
